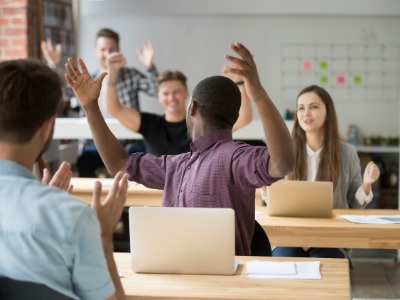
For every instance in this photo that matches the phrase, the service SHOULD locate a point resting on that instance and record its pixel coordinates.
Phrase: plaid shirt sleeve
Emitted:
(131, 81)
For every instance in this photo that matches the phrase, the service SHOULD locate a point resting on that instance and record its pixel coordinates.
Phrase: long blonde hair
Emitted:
(328, 169)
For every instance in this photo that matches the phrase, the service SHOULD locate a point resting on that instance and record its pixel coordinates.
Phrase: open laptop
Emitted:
(178, 240)
(311, 199)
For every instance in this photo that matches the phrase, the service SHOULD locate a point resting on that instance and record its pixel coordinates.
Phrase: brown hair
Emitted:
(29, 95)
(328, 169)
(108, 33)
(171, 75)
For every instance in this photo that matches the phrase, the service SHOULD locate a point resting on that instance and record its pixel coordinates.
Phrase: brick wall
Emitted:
(18, 29)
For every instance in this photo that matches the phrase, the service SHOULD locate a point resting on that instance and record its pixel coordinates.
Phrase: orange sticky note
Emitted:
(307, 65)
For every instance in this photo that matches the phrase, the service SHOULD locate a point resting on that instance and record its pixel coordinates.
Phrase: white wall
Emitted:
(193, 36)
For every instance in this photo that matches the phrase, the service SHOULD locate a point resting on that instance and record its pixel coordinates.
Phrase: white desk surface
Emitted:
(78, 128)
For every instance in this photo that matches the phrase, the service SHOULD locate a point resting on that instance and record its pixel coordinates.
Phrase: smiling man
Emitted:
(163, 134)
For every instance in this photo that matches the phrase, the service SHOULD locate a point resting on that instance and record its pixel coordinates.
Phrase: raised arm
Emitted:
(108, 213)
(245, 112)
(148, 83)
(277, 136)
(51, 55)
(127, 116)
(87, 91)
(371, 174)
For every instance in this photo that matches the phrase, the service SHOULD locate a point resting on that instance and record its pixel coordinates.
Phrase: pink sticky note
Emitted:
(340, 79)
(307, 65)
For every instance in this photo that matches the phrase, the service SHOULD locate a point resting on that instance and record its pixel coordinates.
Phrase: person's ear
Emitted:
(47, 127)
(193, 108)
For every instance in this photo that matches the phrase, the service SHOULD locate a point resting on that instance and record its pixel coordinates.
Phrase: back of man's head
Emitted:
(108, 33)
(29, 95)
(219, 101)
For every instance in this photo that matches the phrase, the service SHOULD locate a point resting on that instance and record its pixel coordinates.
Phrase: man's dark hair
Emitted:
(219, 100)
(108, 33)
(29, 95)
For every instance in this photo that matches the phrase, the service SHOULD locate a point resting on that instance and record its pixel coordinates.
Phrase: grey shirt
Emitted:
(349, 179)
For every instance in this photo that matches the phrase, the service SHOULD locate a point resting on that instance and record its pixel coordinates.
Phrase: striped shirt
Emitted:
(130, 83)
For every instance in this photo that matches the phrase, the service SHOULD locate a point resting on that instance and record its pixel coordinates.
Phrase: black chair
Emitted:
(121, 238)
(11, 289)
(260, 245)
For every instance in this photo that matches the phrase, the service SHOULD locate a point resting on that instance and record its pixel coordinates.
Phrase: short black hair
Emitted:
(219, 101)
(30, 93)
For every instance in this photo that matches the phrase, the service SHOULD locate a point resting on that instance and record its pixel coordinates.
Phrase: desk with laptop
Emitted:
(178, 277)
(286, 231)
(299, 218)
(197, 261)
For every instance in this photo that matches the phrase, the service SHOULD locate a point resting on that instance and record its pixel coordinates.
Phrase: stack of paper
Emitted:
(289, 270)
(373, 219)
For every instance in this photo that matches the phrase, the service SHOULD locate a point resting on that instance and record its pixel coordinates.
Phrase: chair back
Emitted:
(11, 289)
(260, 245)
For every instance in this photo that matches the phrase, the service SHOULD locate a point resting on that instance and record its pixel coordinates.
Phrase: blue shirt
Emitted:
(218, 172)
(49, 237)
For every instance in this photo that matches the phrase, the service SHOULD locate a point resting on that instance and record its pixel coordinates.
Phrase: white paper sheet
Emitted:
(372, 219)
(271, 268)
(284, 270)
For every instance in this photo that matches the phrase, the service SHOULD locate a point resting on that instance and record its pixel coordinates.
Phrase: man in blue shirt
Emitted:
(47, 236)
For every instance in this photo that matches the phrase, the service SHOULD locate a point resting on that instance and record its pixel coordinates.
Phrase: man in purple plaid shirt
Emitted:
(217, 172)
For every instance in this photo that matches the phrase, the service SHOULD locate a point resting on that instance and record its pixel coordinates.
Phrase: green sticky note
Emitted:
(323, 65)
(324, 79)
(357, 79)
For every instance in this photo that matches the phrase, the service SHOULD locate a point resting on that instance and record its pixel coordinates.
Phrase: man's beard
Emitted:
(46, 144)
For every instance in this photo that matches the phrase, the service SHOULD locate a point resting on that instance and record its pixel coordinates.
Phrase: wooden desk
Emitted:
(138, 195)
(331, 232)
(335, 283)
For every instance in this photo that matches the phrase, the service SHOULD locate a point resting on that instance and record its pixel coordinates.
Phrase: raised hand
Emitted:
(85, 88)
(371, 173)
(232, 76)
(109, 211)
(115, 61)
(246, 68)
(61, 179)
(146, 54)
(51, 55)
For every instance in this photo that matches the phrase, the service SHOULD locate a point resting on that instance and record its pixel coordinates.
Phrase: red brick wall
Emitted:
(18, 29)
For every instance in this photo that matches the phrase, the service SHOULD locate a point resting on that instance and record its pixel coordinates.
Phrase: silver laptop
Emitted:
(182, 240)
(289, 198)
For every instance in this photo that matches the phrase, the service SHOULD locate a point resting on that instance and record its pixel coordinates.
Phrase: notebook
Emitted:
(288, 198)
(174, 240)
